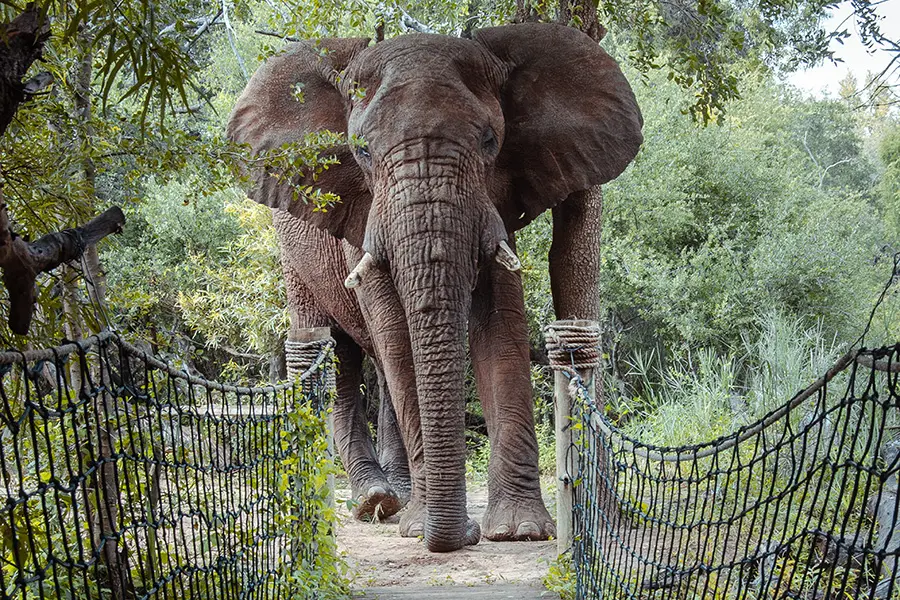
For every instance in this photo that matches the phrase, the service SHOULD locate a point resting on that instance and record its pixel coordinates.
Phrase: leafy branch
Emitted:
(311, 156)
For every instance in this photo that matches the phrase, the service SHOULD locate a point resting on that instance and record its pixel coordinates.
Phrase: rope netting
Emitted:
(124, 477)
(801, 504)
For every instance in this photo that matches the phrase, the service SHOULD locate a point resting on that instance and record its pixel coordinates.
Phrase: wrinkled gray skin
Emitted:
(314, 270)
(467, 141)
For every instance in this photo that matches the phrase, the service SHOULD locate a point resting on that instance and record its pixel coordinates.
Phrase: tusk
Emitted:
(506, 257)
(356, 275)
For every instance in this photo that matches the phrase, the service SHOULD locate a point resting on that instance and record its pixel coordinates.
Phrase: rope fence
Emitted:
(123, 477)
(802, 504)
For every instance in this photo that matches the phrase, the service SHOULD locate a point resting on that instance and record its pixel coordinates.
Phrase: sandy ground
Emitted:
(379, 557)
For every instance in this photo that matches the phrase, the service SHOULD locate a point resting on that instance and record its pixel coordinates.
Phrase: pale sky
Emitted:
(824, 79)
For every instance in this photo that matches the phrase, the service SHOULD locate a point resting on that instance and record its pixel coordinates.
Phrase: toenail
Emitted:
(376, 490)
(528, 529)
(501, 530)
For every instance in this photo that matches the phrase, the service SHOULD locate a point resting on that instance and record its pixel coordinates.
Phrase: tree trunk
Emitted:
(93, 271)
(20, 260)
(582, 15)
(23, 42)
(277, 362)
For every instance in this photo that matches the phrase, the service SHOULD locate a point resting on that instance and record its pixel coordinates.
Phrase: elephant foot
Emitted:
(473, 532)
(412, 524)
(518, 520)
(471, 536)
(377, 503)
(412, 521)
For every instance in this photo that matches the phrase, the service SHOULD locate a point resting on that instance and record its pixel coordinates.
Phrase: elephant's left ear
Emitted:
(572, 121)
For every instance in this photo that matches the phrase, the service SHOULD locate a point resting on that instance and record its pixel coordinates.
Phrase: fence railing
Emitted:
(124, 477)
(801, 504)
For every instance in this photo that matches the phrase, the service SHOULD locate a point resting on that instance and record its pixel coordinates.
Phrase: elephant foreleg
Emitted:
(498, 337)
(390, 335)
(369, 484)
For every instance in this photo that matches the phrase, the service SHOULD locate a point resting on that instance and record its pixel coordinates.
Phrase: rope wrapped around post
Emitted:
(303, 347)
(574, 351)
(573, 345)
(301, 355)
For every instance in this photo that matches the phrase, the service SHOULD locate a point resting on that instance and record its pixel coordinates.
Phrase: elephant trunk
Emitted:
(433, 248)
(439, 359)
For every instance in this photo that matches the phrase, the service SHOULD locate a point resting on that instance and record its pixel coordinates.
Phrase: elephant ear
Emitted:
(572, 121)
(291, 95)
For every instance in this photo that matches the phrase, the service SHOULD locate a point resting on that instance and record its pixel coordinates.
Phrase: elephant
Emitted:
(453, 145)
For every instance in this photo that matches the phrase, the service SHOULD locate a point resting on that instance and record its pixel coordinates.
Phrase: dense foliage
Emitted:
(732, 252)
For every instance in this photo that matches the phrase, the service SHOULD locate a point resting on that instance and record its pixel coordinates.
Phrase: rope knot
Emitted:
(573, 345)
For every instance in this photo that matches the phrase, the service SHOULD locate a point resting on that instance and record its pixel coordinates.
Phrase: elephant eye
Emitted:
(363, 153)
(489, 142)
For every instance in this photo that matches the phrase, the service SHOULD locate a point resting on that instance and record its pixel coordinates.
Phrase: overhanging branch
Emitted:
(21, 261)
(413, 24)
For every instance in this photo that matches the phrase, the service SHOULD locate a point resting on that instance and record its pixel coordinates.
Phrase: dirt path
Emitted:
(379, 557)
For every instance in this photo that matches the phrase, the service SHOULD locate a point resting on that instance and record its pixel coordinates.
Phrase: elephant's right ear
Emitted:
(291, 95)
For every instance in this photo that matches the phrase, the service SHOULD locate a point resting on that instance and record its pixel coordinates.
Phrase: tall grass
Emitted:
(699, 394)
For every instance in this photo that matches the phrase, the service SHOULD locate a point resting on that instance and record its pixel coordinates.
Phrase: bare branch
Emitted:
(826, 169)
(280, 10)
(878, 79)
(227, 349)
(230, 31)
(808, 151)
(189, 110)
(201, 22)
(204, 27)
(277, 35)
(413, 24)
(238, 354)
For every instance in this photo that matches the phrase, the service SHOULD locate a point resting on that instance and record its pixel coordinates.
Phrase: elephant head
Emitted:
(465, 140)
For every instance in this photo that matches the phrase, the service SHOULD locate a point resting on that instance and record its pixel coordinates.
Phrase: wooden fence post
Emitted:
(565, 463)
(572, 346)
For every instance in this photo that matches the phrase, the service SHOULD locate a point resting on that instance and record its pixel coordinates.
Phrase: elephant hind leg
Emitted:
(391, 452)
